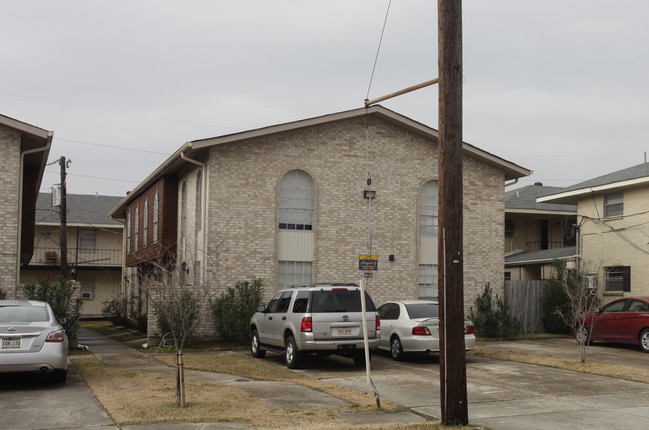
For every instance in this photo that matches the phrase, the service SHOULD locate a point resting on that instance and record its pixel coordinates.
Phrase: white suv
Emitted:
(318, 318)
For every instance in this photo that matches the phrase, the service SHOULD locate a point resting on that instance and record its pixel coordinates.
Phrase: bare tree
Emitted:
(179, 297)
(581, 303)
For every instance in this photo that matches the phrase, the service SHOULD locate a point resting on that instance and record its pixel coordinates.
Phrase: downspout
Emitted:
(188, 146)
(512, 183)
(50, 136)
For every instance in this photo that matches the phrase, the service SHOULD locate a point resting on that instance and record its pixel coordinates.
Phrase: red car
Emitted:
(620, 321)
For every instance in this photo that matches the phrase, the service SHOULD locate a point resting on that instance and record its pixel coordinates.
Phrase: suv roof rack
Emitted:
(325, 284)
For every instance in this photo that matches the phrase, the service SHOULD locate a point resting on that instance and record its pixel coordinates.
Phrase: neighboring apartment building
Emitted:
(537, 233)
(94, 248)
(613, 241)
(290, 204)
(23, 155)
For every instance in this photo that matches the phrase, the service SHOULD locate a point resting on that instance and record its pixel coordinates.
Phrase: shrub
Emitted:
(564, 297)
(3, 294)
(233, 308)
(491, 318)
(64, 301)
(115, 311)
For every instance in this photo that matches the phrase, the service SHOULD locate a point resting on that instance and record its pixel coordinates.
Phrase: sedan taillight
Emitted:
(56, 336)
(469, 329)
(307, 325)
(420, 331)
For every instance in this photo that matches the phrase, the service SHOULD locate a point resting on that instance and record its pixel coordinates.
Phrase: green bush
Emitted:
(115, 311)
(233, 308)
(556, 303)
(64, 300)
(491, 317)
(3, 294)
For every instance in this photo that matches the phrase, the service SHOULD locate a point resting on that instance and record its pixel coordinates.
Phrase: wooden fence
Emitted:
(524, 301)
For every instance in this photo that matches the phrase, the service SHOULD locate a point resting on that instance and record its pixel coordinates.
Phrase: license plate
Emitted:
(10, 343)
(344, 331)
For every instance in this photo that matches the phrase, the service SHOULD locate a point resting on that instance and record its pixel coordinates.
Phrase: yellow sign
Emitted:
(368, 262)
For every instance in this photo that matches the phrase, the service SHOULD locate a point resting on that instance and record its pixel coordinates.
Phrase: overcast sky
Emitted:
(560, 87)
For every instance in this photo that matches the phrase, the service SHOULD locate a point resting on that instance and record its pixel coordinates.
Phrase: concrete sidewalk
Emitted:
(279, 395)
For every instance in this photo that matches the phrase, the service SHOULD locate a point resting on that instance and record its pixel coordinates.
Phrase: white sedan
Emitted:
(413, 326)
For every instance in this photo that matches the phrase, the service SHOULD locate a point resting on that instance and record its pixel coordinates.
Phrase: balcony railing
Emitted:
(77, 256)
(536, 246)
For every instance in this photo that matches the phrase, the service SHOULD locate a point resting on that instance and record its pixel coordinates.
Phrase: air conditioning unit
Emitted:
(86, 295)
(591, 283)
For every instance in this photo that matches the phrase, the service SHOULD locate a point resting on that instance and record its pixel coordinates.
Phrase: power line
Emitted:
(97, 177)
(113, 147)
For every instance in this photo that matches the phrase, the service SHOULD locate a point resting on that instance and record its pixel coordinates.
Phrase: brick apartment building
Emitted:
(24, 150)
(288, 203)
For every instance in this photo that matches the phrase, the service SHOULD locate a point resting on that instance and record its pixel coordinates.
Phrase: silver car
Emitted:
(413, 326)
(32, 340)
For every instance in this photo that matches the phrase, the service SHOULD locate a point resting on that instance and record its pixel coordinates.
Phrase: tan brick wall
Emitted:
(243, 184)
(627, 246)
(9, 183)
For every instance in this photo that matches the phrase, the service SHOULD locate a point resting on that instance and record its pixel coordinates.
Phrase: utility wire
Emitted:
(112, 147)
(378, 49)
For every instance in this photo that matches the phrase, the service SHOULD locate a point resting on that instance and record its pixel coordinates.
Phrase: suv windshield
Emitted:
(340, 300)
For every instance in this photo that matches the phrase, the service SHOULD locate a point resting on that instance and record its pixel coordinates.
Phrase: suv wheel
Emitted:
(291, 354)
(255, 346)
(396, 350)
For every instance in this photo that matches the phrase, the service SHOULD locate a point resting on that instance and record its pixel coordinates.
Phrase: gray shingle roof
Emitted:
(88, 210)
(543, 256)
(635, 172)
(525, 198)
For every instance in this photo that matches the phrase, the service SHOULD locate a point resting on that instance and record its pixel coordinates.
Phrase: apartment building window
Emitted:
(296, 201)
(614, 204)
(183, 210)
(128, 233)
(145, 222)
(428, 281)
(155, 216)
(617, 278)
(428, 209)
(137, 227)
(199, 201)
(295, 272)
(88, 240)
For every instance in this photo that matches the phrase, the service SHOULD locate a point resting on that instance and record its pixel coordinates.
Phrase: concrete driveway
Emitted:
(35, 402)
(506, 395)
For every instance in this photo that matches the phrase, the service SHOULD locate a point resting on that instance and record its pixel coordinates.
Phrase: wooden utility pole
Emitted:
(64, 223)
(452, 361)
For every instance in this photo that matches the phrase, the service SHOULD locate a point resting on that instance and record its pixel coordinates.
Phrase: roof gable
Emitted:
(625, 178)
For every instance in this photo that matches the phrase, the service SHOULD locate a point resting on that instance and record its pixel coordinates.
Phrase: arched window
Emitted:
(183, 210)
(428, 209)
(155, 216)
(296, 201)
(199, 201)
(145, 222)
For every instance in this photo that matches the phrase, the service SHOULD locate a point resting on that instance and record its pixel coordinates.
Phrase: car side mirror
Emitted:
(261, 309)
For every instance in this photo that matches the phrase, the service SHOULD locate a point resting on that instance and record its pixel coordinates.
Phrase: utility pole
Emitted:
(452, 358)
(64, 222)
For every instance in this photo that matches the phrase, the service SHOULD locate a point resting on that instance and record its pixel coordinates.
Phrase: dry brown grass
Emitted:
(591, 367)
(131, 397)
